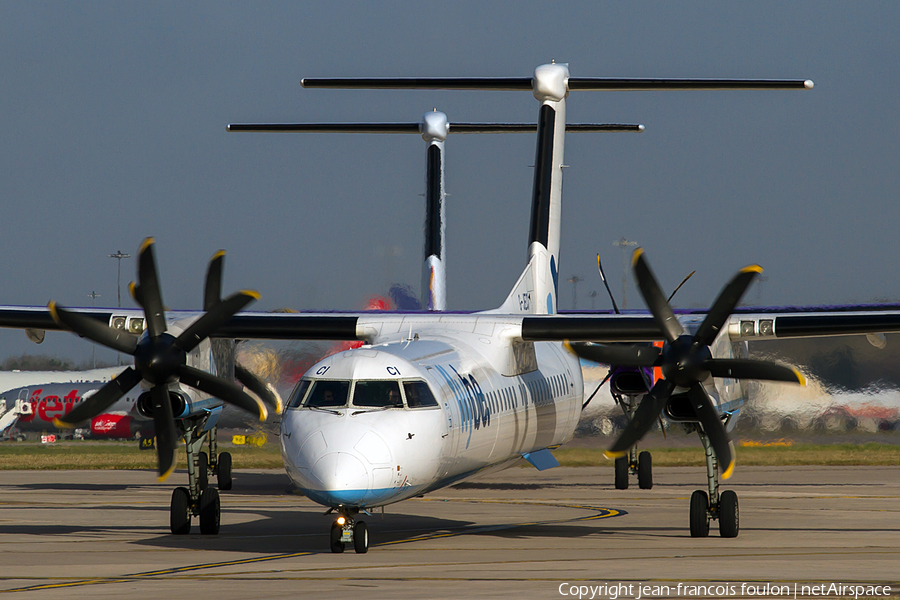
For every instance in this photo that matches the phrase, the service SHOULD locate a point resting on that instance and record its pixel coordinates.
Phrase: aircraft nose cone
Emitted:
(339, 478)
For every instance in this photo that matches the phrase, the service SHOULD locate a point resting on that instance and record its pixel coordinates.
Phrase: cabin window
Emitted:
(377, 394)
(328, 394)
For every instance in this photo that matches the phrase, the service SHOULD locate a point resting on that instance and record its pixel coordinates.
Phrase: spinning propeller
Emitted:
(686, 361)
(160, 358)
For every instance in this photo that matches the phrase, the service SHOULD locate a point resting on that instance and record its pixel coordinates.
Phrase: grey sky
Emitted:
(114, 119)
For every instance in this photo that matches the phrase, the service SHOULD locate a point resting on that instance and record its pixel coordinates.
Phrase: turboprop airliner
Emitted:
(433, 398)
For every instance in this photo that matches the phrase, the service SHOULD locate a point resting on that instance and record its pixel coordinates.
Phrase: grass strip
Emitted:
(126, 455)
(118, 455)
(869, 453)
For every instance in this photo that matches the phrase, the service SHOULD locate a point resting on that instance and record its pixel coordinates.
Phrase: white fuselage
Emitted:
(366, 456)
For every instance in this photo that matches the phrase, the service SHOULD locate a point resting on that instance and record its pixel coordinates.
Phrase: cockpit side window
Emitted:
(418, 395)
(299, 393)
(377, 394)
(328, 394)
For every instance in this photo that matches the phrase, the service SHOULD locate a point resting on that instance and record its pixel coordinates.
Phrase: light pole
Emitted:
(624, 245)
(574, 279)
(93, 296)
(119, 256)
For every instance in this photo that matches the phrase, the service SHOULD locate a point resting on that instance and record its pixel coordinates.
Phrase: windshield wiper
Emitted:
(328, 410)
(375, 409)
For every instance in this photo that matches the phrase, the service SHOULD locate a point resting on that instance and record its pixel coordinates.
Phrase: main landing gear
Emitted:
(713, 505)
(633, 464)
(346, 530)
(198, 499)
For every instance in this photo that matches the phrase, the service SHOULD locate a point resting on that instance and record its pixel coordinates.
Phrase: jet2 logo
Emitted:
(474, 409)
(50, 407)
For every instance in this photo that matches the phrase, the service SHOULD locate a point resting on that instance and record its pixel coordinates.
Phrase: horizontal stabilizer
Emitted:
(526, 84)
(420, 83)
(417, 127)
(598, 84)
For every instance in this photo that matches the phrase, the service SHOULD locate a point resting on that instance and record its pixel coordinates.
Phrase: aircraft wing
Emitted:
(744, 324)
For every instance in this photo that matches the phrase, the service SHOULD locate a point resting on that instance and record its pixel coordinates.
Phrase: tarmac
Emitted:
(518, 533)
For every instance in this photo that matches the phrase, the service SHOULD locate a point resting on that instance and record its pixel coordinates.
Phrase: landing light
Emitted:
(341, 520)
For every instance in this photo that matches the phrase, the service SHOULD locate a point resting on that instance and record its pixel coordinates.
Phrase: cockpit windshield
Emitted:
(418, 395)
(328, 394)
(377, 394)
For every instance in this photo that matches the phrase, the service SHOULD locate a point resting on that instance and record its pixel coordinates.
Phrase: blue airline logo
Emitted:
(474, 410)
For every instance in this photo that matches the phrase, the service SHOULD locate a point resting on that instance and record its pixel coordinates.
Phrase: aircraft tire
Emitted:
(699, 514)
(210, 511)
(223, 471)
(622, 473)
(645, 470)
(336, 545)
(180, 511)
(203, 474)
(361, 537)
(729, 521)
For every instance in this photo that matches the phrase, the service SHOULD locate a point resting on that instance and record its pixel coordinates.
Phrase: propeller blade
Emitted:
(166, 433)
(744, 368)
(94, 330)
(135, 290)
(147, 292)
(713, 427)
(223, 390)
(212, 291)
(631, 355)
(646, 414)
(683, 281)
(214, 318)
(654, 297)
(725, 304)
(605, 379)
(603, 279)
(266, 392)
(101, 400)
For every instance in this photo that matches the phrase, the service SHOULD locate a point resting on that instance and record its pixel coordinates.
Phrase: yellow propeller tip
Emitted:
(132, 289)
(165, 475)
(62, 424)
(800, 378)
(752, 269)
(218, 255)
(263, 412)
(727, 473)
(614, 455)
(636, 255)
(146, 244)
(252, 293)
(54, 314)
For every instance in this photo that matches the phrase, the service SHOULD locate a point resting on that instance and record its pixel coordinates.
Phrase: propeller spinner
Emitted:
(686, 362)
(159, 357)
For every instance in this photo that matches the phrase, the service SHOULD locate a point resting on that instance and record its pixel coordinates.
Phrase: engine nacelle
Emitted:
(629, 382)
(113, 426)
(181, 405)
(679, 409)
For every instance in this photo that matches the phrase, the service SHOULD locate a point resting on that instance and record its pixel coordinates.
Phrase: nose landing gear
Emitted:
(346, 530)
